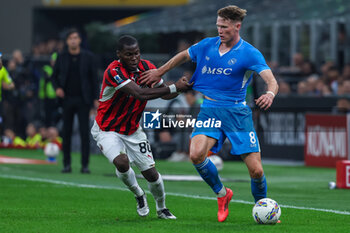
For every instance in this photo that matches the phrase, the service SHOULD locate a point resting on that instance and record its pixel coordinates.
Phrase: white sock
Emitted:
(157, 190)
(222, 192)
(129, 179)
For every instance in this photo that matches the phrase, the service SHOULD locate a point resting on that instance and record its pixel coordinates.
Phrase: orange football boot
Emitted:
(223, 205)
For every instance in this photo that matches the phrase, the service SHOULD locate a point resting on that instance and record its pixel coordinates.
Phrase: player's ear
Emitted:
(238, 25)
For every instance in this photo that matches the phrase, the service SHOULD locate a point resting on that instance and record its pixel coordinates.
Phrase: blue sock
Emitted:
(259, 188)
(209, 173)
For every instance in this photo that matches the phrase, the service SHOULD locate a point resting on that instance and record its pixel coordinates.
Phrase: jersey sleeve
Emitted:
(5, 77)
(256, 61)
(195, 50)
(116, 78)
(152, 66)
(147, 65)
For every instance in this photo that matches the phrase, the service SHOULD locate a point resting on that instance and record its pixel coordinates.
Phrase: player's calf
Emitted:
(259, 188)
(129, 179)
(156, 186)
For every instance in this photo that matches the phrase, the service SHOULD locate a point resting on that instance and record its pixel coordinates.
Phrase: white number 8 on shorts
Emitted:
(252, 137)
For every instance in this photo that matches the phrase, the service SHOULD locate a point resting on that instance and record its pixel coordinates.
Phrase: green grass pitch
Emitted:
(38, 198)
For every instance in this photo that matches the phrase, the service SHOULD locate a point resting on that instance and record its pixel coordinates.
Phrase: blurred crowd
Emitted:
(46, 48)
(25, 103)
(36, 138)
(30, 112)
(33, 103)
(305, 79)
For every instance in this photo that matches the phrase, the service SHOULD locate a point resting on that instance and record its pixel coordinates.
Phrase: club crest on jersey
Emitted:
(232, 61)
(219, 70)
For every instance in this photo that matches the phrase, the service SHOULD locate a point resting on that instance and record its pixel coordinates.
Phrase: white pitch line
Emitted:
(171, 194)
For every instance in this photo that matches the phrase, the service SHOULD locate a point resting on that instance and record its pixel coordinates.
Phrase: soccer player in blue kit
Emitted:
(225, 65)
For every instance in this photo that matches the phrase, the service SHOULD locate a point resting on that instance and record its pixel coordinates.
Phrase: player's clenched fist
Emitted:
(182, 84)
(150, 77)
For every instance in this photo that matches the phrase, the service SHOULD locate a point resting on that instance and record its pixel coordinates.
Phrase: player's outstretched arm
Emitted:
(168, 96)
(174, 95)
(150, 77)
(152, 93)
(265, 100)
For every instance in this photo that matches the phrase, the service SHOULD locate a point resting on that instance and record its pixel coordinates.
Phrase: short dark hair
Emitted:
(233, 13)
(71, 31)
(126, 40)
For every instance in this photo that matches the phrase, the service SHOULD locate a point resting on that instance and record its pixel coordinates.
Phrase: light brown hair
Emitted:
(232, 12)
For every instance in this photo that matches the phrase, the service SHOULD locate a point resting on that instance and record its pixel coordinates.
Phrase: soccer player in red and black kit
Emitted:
(117, 130)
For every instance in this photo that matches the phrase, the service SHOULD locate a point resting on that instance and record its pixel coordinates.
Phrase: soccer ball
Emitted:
(51, 150)
(266, 211)
(217, 161)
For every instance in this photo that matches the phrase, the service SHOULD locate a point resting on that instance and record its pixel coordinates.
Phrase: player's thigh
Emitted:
(203, 137)
(253, 163)
(139, 150)
(110, 143)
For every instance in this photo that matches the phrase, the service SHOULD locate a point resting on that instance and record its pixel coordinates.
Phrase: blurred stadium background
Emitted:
(305, 42)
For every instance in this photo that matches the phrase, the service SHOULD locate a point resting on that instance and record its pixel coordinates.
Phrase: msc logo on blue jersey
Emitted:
(220, 70)
(151, 120)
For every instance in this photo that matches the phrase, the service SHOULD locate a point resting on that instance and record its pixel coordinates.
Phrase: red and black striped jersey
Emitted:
(118, 111)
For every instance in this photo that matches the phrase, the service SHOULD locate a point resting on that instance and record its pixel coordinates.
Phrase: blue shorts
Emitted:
(236, 124)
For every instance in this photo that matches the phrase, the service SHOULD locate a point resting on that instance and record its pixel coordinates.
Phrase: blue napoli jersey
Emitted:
(225, 77)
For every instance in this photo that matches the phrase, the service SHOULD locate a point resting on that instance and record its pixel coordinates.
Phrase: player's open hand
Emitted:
(264, 101)
(182, 84)
(150, 77)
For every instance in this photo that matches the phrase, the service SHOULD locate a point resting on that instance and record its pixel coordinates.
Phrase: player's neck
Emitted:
(232, 43)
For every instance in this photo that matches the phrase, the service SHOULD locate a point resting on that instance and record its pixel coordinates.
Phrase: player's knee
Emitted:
(151, 175)
(197, 155)
(121, 162)
(257, 173)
